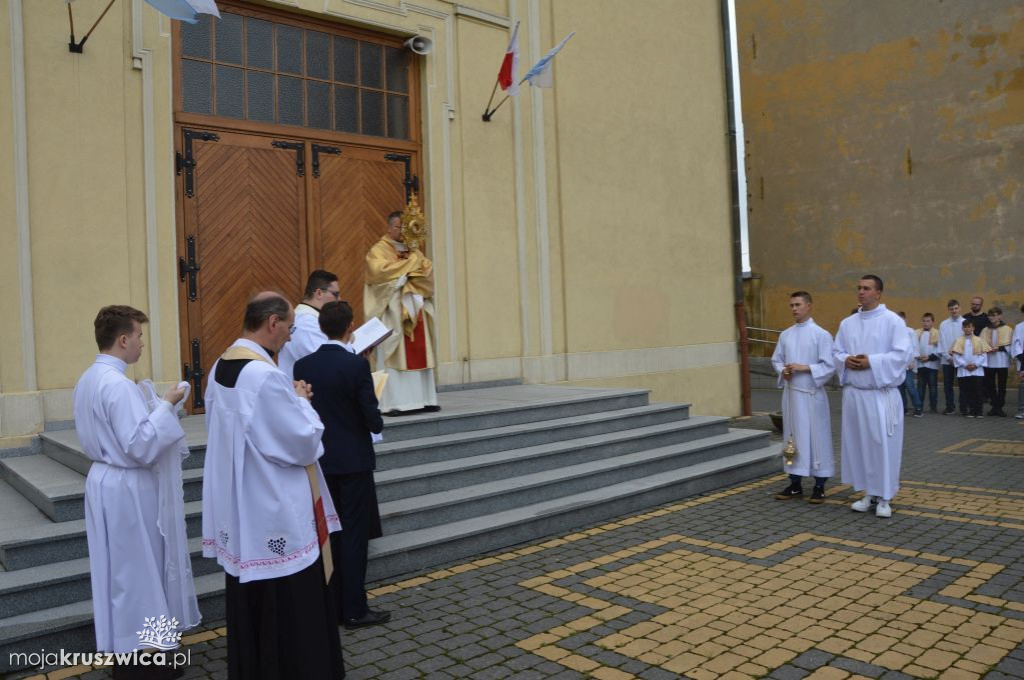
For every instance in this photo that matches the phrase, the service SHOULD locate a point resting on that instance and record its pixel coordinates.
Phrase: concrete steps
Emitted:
(494, 468)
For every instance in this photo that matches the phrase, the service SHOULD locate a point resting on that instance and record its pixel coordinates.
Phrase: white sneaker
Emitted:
(864, 504)
(1019, 416)
(883, 509)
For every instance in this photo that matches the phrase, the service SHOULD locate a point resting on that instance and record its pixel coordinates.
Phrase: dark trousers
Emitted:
(283, 628)
(972, 387)
(948, 380)
(355, 499)
(928, 381)
(995, 387)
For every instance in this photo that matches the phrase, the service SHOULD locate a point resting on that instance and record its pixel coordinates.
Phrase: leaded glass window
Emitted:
(259, 69)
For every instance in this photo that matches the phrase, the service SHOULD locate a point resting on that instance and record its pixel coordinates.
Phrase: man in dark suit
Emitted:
(343, 396)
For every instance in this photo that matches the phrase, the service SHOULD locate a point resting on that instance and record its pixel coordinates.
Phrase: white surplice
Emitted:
(257, 506)
(305, 340)
(1017, 346)
(872, 434)
(805, 410)
(126, 550)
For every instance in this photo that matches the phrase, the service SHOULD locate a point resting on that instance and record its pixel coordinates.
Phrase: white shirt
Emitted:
(926, 348)
(1017, 344)
(949, 331)
(306, 339)
(257, 505)
(969, 357)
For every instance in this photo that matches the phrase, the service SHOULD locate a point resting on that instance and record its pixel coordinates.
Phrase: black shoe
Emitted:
(817, 495)
(790, 492)
(918, 413)
(433, 408)
(933, 410)
(373, 617)
(394, 413)
(948, 412)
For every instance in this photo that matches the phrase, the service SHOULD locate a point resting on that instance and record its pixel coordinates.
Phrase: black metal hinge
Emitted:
(412, 182)
(319, 149)
(188, 268)
(300, 154)
(194, 374)
(187, 163)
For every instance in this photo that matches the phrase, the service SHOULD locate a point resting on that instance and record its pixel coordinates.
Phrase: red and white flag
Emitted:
(509, 66)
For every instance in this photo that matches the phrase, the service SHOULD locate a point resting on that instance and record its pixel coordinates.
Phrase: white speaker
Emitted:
(420, 44)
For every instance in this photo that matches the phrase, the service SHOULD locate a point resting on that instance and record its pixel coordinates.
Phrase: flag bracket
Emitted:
(79, 47)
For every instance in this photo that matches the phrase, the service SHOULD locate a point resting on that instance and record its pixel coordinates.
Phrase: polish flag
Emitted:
(509, 66)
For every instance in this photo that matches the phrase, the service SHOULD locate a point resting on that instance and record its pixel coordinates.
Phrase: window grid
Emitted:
(385, 92)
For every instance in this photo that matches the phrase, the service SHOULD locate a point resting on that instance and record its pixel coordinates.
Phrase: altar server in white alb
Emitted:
(803, 360)
(266, 509)
(1017, 350)
(321, 288)
(872, 350)
(135, 525)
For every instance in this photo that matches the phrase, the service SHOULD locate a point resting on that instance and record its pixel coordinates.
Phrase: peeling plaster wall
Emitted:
(885, 137)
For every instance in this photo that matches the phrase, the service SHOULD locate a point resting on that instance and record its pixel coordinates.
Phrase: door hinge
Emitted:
(300, 154)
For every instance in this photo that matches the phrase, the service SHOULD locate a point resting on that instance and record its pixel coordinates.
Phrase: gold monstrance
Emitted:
(414, 224)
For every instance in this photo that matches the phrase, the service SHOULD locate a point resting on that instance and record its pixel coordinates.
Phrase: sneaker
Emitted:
(883, 509)
(790, 492)
(969, 415)
(864, 504)
(918, 413)
(979, 416)
(948, 412)
(817, 496)
(1019, 416)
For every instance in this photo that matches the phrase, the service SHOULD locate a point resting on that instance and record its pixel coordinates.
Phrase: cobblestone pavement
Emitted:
(733, 584)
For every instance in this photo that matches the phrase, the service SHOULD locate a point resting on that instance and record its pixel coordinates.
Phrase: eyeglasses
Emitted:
(335, 293)
(291, 329)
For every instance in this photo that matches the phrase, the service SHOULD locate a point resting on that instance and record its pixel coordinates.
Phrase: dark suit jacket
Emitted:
(343, 396)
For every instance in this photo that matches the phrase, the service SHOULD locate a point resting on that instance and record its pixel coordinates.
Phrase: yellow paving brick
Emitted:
(1007, 632)
(876, 643)
(653, 658)
(537, 641)
(851, 635)
(797, 644)
(222, 631)
(835, 645)
(763, 642)
(958, 674)
(922, 638)
(584, 623)
(860, 654)
(683, 662)
(753, 670)
(999, 642)
(972, 666)
(816, 633)
(611, 674)
(948, 618)
(579, 663)
(774, 658)
(609, 613)
(911, 650)
(866, 625)
(709, 649)
(986, 619)
(594, 603)
(948, 646)
(702, 674)
(614, 641)
(68, 672)
(986, 654)
(936, 659)
(638, 647)
(551, 652)
(746, 651)
(918, 671)
(724, 662)
(199, 637)
(892, 660)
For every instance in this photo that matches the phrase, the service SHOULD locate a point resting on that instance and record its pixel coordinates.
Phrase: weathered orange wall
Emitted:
(885, 137)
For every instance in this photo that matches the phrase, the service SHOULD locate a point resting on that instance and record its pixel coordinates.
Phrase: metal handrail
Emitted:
(763, 330)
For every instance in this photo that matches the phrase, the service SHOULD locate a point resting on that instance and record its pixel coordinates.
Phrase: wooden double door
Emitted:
(260, 212)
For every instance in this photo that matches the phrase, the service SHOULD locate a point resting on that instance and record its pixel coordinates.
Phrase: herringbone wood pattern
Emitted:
(250, 210)
(355, 196)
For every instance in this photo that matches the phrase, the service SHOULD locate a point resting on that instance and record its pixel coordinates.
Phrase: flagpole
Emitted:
(487, 116)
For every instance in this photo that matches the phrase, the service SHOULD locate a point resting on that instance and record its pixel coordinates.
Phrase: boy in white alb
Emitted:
(928, 354)
(969, 354)
(999, 337)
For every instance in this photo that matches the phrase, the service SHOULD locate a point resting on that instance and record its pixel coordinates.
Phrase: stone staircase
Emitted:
(494, 468)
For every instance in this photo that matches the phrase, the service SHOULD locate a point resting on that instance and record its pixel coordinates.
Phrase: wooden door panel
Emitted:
(355, 193)
(248, 222)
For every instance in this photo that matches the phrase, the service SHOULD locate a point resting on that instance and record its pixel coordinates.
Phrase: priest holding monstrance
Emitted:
(399, 291)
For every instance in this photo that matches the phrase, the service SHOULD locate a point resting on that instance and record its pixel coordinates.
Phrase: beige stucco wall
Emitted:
(885, 137)
(581, 236)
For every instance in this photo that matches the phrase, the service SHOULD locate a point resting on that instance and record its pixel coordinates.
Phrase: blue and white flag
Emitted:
(540, 74)
(185, 10)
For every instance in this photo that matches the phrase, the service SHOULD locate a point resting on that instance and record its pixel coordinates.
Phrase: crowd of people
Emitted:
(289, 503)
(886, 368)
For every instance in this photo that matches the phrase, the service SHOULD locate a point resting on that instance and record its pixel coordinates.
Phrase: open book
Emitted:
(369, 335)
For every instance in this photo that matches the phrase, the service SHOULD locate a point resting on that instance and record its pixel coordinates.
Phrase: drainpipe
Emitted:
(735, 163)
